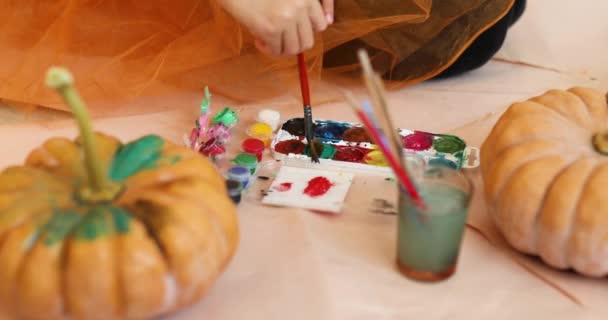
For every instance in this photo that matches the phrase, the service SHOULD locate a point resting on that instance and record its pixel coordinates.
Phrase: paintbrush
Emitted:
(391, 156)
(307, 108)
(379, 104)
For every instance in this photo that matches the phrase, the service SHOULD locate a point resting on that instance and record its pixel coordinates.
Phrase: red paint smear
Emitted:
(317, 186)
(283, 187)
(418, 141)
(294, 146)
(349, 154)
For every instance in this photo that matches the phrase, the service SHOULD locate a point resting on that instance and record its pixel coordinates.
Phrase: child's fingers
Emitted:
(317, 17)
(328, 7)
(307, 37)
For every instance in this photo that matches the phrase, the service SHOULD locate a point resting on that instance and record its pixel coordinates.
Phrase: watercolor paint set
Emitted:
(348, 145)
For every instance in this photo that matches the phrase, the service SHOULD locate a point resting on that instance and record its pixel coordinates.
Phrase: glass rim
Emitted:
(418, 176)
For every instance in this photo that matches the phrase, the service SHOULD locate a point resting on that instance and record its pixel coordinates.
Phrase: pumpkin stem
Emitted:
(600, 142)
(62, 81)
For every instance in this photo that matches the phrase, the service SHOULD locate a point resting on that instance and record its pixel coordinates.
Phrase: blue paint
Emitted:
(443, 162)
(330, 130)
(241, 174)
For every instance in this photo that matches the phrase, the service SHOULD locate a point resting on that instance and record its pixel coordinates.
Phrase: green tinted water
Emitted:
(432, 245)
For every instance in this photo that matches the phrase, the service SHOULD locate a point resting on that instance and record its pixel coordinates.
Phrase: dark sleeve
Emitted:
(486, 45)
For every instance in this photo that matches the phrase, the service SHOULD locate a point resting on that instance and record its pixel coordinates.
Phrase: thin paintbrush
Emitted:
(378, 103)
(390, 156)
(307, 108)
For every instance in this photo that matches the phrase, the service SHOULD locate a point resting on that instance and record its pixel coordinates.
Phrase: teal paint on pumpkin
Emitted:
(122, 219)
(135, 156)
(59, 226)
(105, 220)
(95, 224)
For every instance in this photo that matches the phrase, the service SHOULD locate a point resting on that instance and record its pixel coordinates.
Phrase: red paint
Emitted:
(294, 146)
(356, 134)
(212, 148)
(318, 186)
(349, 154)
(254, 146)
(283, 187)
(418, 141)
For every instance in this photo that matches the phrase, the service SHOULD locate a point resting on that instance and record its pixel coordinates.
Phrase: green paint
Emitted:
(246, 160)
(206, 101)
(325, 151)
(122, 219)
(390, 179)
(94, 225)
(105, 220)
(59, 226)
(226, 117)
(136, 156)
(448, 144)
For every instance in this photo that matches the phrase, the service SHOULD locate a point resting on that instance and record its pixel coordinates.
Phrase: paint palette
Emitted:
(311, 189)
(349, 145)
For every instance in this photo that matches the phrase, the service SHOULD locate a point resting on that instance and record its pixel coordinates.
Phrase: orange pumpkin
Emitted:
(98, 229)
(545, 171)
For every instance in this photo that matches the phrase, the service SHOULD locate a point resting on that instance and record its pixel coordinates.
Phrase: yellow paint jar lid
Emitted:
(376, 158)
(261, 131)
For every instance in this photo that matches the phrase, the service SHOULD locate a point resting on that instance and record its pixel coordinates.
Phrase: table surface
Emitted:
(293, 264)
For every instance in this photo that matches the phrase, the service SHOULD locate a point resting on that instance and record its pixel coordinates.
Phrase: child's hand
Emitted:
(282, 27)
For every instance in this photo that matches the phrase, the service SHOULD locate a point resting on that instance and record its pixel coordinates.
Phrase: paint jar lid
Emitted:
(246, 160)
(254, 146)
(260, 131)
(239, 173)
(226, 117)
(376, 158)
(270, 117)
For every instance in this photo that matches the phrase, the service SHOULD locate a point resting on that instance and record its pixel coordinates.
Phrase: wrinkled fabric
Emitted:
(125, 53)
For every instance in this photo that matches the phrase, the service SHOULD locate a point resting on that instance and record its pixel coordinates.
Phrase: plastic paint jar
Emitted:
(254, 146)
(235, 188)
(261, 131)
(241, 174)
(246, 160)
(270, 117)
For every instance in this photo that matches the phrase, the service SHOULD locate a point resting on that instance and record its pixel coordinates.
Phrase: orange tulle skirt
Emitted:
(124, 53)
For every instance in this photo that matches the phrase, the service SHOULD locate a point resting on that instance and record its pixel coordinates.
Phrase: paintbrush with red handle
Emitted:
(308, 128)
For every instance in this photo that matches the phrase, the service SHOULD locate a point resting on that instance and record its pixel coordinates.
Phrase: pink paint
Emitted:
(283, 187)
(317, 187)
(418, 141)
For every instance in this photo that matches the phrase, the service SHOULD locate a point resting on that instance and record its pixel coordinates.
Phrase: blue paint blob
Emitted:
(443, 162)
(330, 130)
(238, 173)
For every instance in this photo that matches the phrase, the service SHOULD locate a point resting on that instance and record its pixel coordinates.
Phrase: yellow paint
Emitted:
(261, 131)
(375, 158)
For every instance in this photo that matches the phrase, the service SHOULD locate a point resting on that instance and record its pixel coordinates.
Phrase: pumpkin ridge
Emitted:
(148, 224)
(118, 276)
(511, 136)
(531, 157)
(583, 94)
(548, 189)
(558, 113)
(521, 239)
(551, 99)
(575, 208)
(579, 223)
(163, 200)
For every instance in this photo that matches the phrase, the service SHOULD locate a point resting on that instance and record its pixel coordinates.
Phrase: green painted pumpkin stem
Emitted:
(62, 81)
